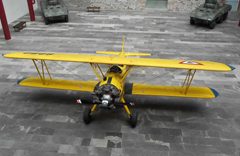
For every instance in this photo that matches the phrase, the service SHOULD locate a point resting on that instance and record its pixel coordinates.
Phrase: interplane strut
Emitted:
(42, 72)
(96, 69)
(188, 80)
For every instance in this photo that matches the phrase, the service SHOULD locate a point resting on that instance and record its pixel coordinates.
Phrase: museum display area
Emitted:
(177, 115)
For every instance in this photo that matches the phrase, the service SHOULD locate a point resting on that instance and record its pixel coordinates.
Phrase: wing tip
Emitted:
(4, 55)
(231, 67)
(20, 80)
(216, 94)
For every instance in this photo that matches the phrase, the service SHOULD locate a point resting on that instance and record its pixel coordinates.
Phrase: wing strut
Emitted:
(96, 69)
(127, 72)
(42, 72)
(188, 80)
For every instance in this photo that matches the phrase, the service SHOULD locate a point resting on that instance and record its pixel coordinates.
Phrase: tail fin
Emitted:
(123, 53)
(123, 42)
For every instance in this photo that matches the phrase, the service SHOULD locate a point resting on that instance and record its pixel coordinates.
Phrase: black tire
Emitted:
(212, 24)
(133, 119)
(87, 118)
(192, 21)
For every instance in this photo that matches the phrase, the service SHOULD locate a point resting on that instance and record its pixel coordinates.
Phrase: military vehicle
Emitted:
(210, 13)
(54, 10)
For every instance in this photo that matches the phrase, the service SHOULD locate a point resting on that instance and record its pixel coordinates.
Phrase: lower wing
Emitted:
(130, 88)
(173, 91)
(76, 85)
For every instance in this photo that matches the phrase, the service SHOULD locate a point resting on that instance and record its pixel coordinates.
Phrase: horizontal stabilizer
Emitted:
(108, 52)
(76, 85)
(125, 53)
(174, 91)
(137, 54)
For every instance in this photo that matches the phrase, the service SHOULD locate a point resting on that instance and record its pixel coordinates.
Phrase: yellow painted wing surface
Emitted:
(146, 62)
(174, 91)
(134, 89)
(76, 85)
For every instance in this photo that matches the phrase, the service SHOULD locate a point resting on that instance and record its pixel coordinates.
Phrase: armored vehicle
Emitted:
(210, 13)
(54, 10)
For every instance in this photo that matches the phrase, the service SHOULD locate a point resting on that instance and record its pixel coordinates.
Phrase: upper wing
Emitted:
(146, 62)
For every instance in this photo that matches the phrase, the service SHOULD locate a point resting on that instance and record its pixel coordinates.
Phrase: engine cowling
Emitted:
(106, 95)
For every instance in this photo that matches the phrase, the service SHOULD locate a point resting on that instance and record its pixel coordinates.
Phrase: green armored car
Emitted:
(210, 13)
(54, 10)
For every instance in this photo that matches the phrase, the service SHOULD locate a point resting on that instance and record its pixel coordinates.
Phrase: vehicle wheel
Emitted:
(87, 115)
(192, 22)
(133, 119)
(225, 16)
(212, 24)
(220, 20)
(46, 21)
(66, 18)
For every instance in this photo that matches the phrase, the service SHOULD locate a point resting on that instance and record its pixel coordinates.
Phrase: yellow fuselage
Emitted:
(116, 79)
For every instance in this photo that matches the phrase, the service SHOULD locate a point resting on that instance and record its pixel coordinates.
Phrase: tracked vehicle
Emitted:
(210, 13)
(54, 10)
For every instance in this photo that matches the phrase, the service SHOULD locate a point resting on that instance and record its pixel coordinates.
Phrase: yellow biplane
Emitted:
(109, 91)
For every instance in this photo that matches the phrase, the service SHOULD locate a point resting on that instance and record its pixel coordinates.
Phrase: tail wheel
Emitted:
(87, 118)
(133, 119)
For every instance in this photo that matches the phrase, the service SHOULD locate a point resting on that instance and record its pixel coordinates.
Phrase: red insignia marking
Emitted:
(190, 62)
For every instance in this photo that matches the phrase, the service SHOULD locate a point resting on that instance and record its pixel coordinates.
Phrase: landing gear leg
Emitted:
(133, 116)
(87, 114)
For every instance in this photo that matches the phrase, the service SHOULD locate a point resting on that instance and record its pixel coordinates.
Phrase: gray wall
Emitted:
(173, 5)
(110, 4)
(183, 5)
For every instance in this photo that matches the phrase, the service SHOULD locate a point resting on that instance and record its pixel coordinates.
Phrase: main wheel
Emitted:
(87, 118)
(212, 24)
(133, 119)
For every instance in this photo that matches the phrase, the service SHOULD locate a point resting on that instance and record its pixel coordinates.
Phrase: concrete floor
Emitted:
(48, 122)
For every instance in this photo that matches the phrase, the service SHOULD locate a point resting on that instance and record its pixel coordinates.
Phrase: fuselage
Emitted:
(111, 89)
